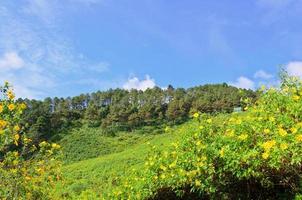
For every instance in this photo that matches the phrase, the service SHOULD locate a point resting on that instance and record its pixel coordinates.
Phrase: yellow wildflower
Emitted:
(17, 128)
(296, 98)
(266, 131)
(294, 130)
(221, 153)
(16, 137)
(265, 155)
(209, 121)
(299, 138)
(162, 176)
(196, 115)
(269, 144)
(243, 136)
(163, 168)
(23, 106)
(3, 124)
(55, 146)
(197, 183)
(283, 146)
(10, 95)
(11, 107)
(272, 119)
(282, 132)
(230, 132)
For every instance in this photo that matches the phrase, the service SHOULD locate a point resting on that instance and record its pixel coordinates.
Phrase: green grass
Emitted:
(98, 175)
(85, 143)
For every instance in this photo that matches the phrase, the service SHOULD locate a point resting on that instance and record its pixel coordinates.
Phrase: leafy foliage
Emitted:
(26, 171)
(258, 151)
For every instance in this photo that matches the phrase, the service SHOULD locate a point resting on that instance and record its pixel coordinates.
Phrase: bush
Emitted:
(254, 154)
(27, 171)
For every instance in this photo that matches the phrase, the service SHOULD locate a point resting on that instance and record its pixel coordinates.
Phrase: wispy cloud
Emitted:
(11, 60)
(261, 74)
(33, 53)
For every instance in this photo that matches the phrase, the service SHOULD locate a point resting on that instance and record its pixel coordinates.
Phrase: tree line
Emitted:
(119, 109)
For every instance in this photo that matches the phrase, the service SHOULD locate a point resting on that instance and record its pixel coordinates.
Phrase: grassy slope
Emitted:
(86, 143)
(98, 175)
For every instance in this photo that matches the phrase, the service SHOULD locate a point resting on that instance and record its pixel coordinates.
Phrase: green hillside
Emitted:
(85, 143)
(93, 177)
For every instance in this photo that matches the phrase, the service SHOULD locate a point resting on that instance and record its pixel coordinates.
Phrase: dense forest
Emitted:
(119, 109)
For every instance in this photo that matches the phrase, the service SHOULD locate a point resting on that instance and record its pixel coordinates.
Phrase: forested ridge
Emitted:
(122, 110)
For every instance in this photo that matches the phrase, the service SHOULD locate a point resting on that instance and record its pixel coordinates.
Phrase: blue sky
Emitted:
(68, 47)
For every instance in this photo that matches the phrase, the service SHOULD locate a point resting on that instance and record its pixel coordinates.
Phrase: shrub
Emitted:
(256, 153)
(27, 171)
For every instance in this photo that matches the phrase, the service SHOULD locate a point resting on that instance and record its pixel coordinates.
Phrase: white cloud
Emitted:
(244, 82)
(44, 10)
(262, 75)
(11, 60)
(135, 83)
(34, 56)
(294, 68)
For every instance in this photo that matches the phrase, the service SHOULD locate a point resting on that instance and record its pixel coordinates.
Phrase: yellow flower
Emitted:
(16, 153)
(239, 121)
(265, 155)
(16, 137)
(230, 132)
(43, 144)
(197, 183)
(266, 131)
(55, 146)
(221, 153)
(163, 168)
(11, 107)
(23, 106)
(196, 115)
(294, 130)
(3, 124)
(269, 144)
(282, 132)
(296, 98)
(162, 176)
(209, 121)
(243, 136)
(283, 146)
(272, 119)
(299, 138)
(10, 95)
(1, 108)
(17, 128)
